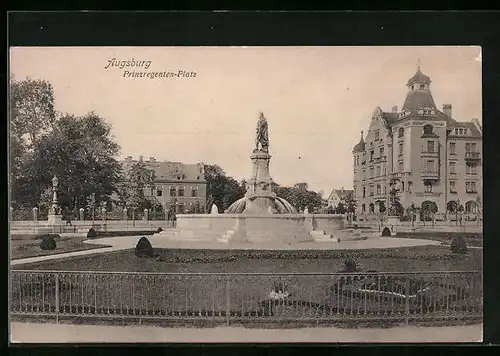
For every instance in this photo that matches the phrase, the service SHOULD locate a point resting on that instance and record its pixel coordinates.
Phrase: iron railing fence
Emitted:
(228, 297)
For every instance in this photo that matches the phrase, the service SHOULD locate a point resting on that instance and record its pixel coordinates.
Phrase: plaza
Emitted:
(187, 249)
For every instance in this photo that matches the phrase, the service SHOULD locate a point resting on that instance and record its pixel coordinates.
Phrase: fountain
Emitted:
(261, 216)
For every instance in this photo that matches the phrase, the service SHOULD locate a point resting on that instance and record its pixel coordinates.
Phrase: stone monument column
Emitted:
(35, 214)
(82, 214)
(54, 217)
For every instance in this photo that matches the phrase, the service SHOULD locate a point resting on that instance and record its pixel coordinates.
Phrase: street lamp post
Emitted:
(93, 209)
(456, 212)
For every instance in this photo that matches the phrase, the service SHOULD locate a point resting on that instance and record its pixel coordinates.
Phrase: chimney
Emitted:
(395, 108)
(447, 109)
(141, 158)
(152, 159)
(128, 158)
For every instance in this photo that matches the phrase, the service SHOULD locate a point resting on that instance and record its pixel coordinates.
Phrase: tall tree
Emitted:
(300, 197)
(31, 114)
(133, 185)
(81, 153)
(31, 109)
(222, 190)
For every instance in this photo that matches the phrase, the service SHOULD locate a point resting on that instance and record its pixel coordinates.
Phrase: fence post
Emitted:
(407, 301)
(57, 297)
(228, 302)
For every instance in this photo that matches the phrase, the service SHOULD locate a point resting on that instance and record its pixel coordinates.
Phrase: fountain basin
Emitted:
(259, 228)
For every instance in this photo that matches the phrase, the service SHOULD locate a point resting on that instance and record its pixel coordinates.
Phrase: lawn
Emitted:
(178, 295)
(404, 259)
(24, 248)
(473, 239)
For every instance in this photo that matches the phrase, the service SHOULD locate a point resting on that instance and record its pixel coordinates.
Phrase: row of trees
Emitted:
(78, 150)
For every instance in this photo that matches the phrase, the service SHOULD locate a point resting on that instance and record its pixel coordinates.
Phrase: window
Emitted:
(470, 169)
(159, 193)
(371, 155)
(364, 174)
(430, 146)
(385, 190)
(378, 171)
(377, 136)
(401, 132)
(173, 192)
(402, 186)
(363, 208)
(453, 168)
(465, 132)
(456, 131)
(194, 192)
(430, 166)
(453, 188)
(428, 129)
(180, 207)
(381, 151)
(400, 148)
(401, 166)
(470, 147)
(181, 192)
(371, 172)
(428, 188)
(453, 148)
(364, 195)
(460, 131)
(422, 86)
(470, 187)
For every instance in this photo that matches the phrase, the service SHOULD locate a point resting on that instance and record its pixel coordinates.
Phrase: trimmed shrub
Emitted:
(386, 232)
(350, 266)
(458, 245)
(48, 242)
(144, 248)
(92, 234)
(159, 230)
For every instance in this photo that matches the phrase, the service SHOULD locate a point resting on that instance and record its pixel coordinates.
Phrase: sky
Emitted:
(316, 99)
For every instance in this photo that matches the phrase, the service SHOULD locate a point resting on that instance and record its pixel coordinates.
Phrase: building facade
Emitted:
(421, 152)
(337, 195)
(178, 186)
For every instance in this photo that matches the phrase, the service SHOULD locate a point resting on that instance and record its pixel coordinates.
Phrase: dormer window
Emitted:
(401, 132)
(420, 111)
(422, 86)
(428, 129)
(465, 132)
(412, 87)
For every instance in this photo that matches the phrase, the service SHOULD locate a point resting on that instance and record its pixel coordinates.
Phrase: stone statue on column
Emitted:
(262, 137)
(54, 216)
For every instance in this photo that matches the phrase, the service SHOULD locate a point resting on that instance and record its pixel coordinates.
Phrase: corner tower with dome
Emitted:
(430, 158)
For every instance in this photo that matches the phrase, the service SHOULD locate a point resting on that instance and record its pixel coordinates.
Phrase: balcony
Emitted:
(430, 175)
(429, 154)
(472, 156)
(380, 159)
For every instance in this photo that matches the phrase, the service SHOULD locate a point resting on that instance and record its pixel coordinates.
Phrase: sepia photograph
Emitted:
(245, 194)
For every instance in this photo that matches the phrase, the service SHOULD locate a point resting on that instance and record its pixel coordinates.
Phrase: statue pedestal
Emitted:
(55, 221)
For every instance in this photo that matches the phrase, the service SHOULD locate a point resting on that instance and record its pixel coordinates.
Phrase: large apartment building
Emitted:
(421, 151)
(178, 185)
